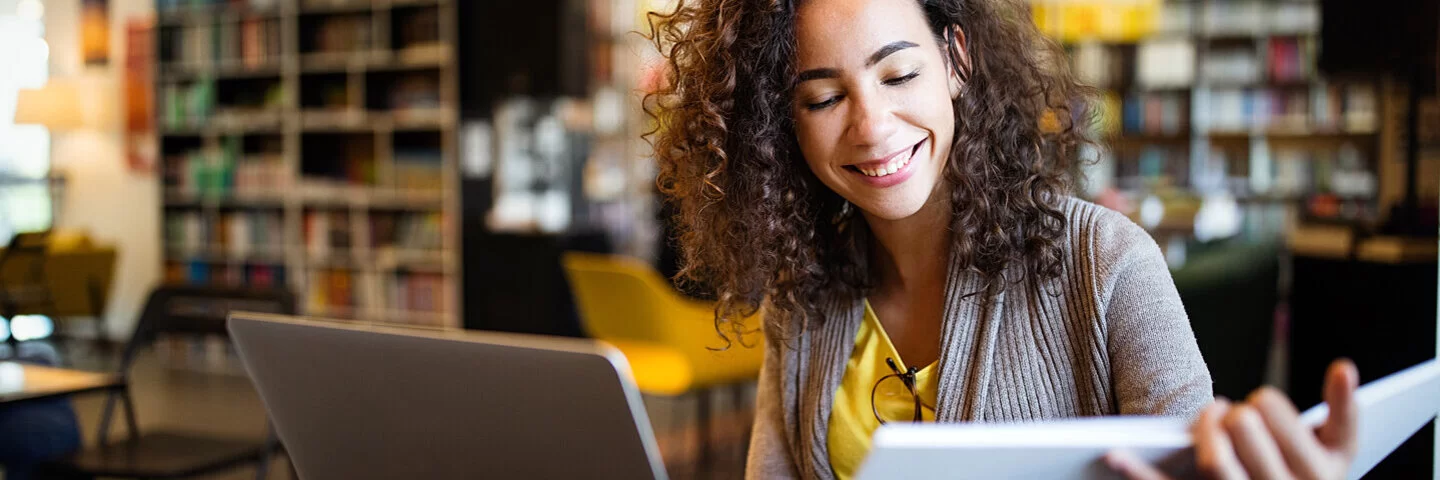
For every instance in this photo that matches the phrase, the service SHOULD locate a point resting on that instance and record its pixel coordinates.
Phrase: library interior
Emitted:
(488, 166)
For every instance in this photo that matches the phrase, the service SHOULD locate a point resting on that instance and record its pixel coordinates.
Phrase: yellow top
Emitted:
(852, 421)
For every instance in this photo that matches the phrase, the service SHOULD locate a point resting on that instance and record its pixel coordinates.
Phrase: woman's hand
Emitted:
(1263, 437)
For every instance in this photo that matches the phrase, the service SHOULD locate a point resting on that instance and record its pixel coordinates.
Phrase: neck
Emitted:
(911, 255)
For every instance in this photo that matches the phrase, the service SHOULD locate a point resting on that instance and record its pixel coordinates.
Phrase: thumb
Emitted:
(1342, 426)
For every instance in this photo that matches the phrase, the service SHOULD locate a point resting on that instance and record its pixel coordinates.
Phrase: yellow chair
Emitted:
(669, 340)
(59, 274)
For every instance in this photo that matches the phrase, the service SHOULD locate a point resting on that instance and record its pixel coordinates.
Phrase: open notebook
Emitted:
(1391, 409)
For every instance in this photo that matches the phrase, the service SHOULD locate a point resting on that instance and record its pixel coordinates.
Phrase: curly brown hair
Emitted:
(754, 223)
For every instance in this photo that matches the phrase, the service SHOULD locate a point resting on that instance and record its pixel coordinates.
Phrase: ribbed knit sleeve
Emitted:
(1155, 365)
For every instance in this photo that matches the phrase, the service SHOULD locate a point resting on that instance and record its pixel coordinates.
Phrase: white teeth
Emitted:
(887, 169)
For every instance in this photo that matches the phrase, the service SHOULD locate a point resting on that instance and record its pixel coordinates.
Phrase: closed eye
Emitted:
(902, 79)
(823, 105)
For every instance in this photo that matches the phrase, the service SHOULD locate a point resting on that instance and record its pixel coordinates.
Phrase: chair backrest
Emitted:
(200, 310)
(22, 272)
(1230, 292)
(613, 293)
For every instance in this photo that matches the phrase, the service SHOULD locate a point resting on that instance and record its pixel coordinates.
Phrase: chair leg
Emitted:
(102, 437)
(272, 444)
(706, 463)
(677, 423)
(132, 427)
(131, 424)
(262, 466)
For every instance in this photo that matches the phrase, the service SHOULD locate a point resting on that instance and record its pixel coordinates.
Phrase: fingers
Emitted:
(1132, 467)
(1214, 453)
(1253, 444)
(1305, 455)
(1339, 431)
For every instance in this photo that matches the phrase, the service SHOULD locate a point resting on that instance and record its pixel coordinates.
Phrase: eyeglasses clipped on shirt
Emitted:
(907, 377)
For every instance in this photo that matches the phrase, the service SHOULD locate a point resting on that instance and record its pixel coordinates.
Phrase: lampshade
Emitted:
(65, 105)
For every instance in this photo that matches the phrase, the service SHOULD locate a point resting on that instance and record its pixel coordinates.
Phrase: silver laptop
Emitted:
(354, 401)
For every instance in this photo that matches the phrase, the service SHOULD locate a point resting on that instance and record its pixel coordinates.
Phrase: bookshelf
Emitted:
(313, 144)
(1210, 96)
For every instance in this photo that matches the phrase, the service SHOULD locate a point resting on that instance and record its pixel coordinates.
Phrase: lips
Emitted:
(898, 167)
(888, 165)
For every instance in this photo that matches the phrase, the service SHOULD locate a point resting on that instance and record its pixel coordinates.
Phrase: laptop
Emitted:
(355, 401)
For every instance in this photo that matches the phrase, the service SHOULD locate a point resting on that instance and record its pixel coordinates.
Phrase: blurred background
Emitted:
(478, 165)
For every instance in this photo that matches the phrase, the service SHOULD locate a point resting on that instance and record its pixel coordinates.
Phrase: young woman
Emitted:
(890, 178)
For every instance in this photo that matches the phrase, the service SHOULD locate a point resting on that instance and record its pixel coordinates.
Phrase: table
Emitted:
(20, 382)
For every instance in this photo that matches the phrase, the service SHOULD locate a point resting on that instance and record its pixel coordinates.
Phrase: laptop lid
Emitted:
(353, 401)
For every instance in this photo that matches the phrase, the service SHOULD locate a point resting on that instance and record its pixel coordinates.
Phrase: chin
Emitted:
(891, 209)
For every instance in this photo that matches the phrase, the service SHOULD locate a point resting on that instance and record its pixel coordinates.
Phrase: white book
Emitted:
(1391, 409)
(240, 235)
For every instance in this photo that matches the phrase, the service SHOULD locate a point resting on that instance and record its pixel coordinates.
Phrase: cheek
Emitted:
(817, 144)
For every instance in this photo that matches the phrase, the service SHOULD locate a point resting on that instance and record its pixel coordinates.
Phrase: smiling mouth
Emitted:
(889, 168)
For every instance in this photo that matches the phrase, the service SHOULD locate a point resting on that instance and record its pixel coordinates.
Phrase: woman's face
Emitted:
(873, 112)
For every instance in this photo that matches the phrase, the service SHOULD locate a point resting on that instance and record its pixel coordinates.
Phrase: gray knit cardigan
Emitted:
(1109, 336)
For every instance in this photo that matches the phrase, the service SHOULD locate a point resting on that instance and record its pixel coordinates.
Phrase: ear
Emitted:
(957, 57)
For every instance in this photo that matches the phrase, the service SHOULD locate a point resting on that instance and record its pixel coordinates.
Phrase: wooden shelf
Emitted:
(313, 7)
(333, 312)
(378, 60)
(423, 55)
(221, 255)
(412, 3)
(1293, 137)
(1147, 139)
(409, 317)
(228, 70)
(335, 62)
(183, 16)
(336, 120)
(423, 261)
(243, 200)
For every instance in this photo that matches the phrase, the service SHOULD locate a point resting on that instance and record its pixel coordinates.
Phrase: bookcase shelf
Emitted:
(1227, 95)
(313, 144)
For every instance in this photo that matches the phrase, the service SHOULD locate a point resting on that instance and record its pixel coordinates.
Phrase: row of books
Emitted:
(341, 292)
(420, 231)
(202, 272)
(257, 235)
(1150, 166)
(173, 6)
(251, 42)
(331, 291)
(419, 169)
(194, 105)
(415, 292)
(1287, 173)
(187, 105)
(1259, 18)
(1351, 108)
(1343, 172)
(329, 231)
(1160, 113)
(1291, 59)
(417, 28)
(1282, 60)
(416, 90)
(347, 159)
(326, 232)
(341, 33)
(225, 172)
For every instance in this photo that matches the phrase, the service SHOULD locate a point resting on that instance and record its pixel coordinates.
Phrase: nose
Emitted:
(872, 120)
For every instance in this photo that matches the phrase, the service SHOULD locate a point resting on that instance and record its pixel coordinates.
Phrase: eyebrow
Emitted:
(885, 51)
